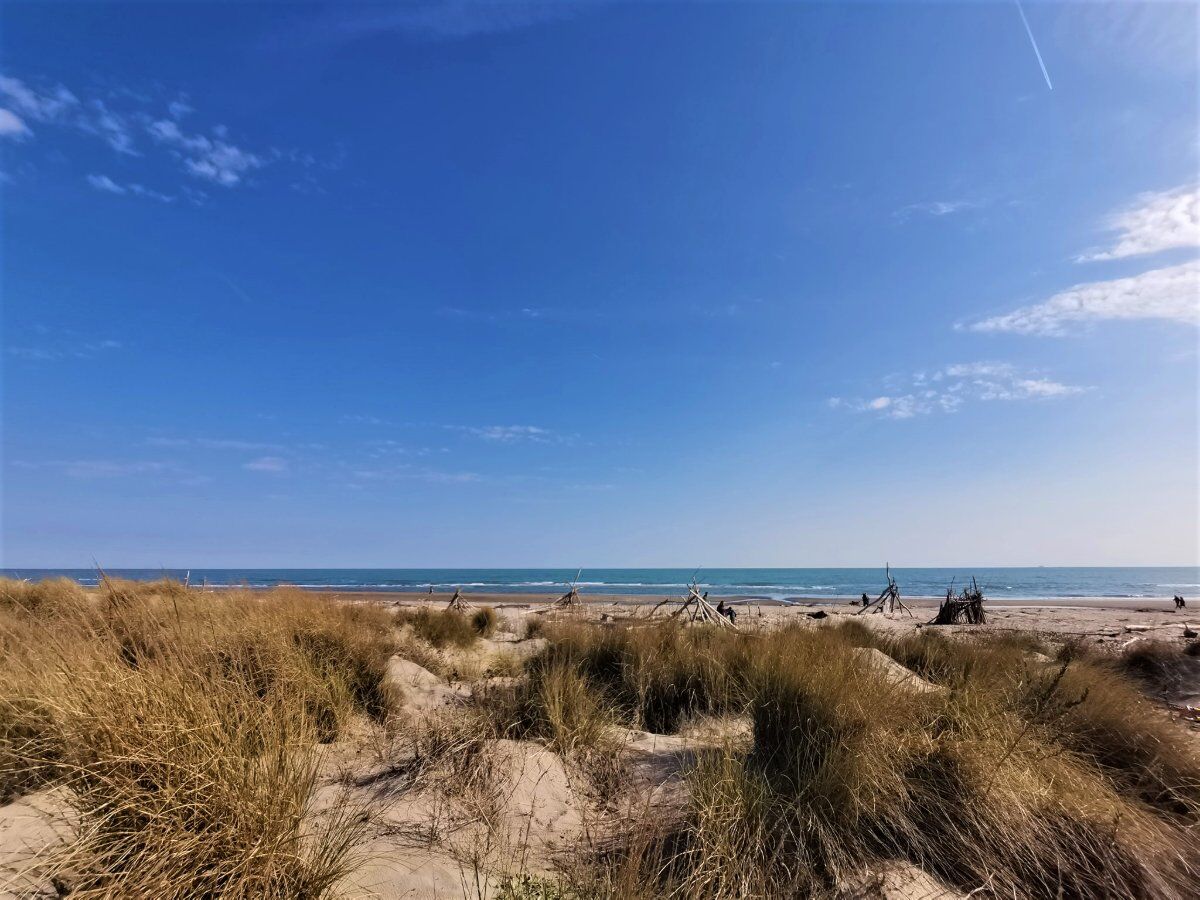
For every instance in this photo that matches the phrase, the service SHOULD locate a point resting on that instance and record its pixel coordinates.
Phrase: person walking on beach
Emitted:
(866, 601)
(1180, 603)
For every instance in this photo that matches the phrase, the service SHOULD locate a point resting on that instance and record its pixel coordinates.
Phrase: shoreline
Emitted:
(1133, 604)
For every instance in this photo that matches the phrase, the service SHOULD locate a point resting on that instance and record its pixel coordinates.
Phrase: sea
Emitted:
(1041, 582)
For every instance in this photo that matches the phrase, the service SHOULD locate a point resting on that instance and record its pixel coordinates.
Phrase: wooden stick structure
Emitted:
(571, 600)
(965, 608)
(459, 603)
(696, 609)
(888, 600)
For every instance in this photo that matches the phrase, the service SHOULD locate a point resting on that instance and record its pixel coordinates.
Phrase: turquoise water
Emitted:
(1014, 583)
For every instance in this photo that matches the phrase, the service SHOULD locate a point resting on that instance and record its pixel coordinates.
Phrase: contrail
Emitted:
(1036, 51)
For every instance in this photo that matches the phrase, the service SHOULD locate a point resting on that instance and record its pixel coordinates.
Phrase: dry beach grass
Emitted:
(281, 744)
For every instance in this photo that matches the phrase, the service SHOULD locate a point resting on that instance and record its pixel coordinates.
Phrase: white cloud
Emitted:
(936, 208)
(213, 160)
(180, 108)
(1142, 37)
(1172, 293)
(140, 191)
(12, 125)
(209, 156)
(65, 348)
(211, 443)
(112, 128)
(407, 472)
(1042, 387)
(41, 106)
(433, 20)
(274, 465)
(947, 389)
(98, 468)
(1155, 221)
(508, 434)
(975, 370)
(104, 183)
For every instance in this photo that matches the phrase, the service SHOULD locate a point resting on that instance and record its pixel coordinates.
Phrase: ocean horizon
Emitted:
(1023, 582)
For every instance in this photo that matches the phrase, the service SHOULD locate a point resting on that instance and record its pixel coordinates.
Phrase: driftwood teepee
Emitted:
(568, 601)
(889, 600)
(696, 608)
(458, 602)
(964, 608)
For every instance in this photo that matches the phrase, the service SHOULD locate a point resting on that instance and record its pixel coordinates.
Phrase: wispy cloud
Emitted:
(106, 185)
(271, 465)
(437, 20)
(1154, 222)
(179, 108)
(100, 468)
(1172, 294)
(935, 208)
(1144, 37)
(211, 159)
(211, 443)
(509, 434)
(66, 347)
(947, 389)
(12, 125)
(137, 126)
(359, 476)
(39, 105)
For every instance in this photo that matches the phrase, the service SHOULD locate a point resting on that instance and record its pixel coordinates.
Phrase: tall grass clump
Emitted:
(182, 727)
(40, 597)
(560, 706)
(1083, 703)
(441, 628)
(186, 789)
(483, 620)
(655, 676)
(981, 786)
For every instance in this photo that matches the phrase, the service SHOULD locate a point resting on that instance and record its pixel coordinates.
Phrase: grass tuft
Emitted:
(182, 727)
(440, 628)
(483, 620)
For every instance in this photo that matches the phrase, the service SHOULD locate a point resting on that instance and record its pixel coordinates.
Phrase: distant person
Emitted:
(1180, 603)
(866, 601)
(720, 607)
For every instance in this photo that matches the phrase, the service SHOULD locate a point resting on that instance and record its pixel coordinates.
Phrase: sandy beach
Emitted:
(1112, 621)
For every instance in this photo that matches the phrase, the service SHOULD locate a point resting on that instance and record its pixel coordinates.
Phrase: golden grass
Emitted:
(441, 627)
(183, 728)
(483, 620)
(655, 676)
(1031, 779)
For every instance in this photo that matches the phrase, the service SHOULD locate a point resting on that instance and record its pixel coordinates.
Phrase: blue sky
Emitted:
(599, 284)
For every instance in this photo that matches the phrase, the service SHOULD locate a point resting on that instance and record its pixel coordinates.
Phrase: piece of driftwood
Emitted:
(695, 608)
(459, 603)
(888, 600)
(965, 608)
